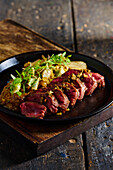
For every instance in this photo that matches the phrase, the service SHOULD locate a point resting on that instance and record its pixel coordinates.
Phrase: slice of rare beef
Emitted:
(51, 103)
(81, 87)
(71, 92)
(37, 97)
(90, 82)
(99, 78)
(66, 76)
(32, 109)
(62, 99)
(70, 72)
(46, 99)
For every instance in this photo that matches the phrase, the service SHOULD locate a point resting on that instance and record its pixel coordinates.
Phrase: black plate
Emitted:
(100, 99)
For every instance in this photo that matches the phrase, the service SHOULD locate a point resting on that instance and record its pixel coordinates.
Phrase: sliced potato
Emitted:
(79, 65)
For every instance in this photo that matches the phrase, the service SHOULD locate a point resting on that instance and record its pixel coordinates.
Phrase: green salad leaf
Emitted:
(34, 72)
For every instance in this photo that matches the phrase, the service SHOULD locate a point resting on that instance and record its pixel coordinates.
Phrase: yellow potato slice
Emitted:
(79, 65)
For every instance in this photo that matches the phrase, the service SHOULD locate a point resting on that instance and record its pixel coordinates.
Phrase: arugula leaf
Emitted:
(17, 81)
(19, 93)
(64, 54)
(18, 74)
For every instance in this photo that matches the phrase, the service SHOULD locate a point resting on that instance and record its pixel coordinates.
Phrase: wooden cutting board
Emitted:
(16, 39)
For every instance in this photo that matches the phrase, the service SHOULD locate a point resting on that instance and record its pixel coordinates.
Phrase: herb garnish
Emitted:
(32, 74)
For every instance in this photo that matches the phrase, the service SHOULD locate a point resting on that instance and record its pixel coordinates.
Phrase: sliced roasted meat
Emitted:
(66, 76)
(62, 99)
(71, 92)
(37, 97)
(59, 80)
(70, 72)
(51, 103)
(99, 78)
(32, 109)
(90, 82)
(81, 87)
(61, 92)
(45, 98)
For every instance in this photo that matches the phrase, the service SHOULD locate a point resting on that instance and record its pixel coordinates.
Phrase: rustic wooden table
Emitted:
(83, 26)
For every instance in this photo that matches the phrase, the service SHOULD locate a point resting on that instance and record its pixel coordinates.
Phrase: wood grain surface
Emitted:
(49, 18)
(16, 39)
(94, 31)
(63, 157)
